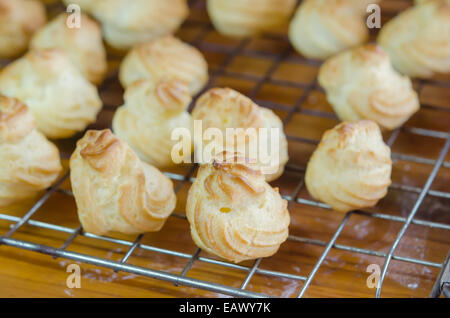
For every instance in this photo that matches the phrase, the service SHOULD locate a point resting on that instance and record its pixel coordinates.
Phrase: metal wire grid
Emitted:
(181, 279)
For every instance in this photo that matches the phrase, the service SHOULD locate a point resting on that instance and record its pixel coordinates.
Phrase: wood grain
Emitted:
(343, 274)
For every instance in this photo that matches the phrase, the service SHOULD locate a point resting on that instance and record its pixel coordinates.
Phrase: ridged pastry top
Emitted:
(114, 190)
(83, 45)
(126, 23)
(61, 100)
(418, 39)
(166, 58)
(351, 167)
(361, 84)
(224, 108)
(234, 213)
(321, 28)
(249, 17)
(29, 163)
(149, 117)
(19, 19)
(15, 119)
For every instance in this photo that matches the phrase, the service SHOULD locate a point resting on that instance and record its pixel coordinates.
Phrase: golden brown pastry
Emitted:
(223, 108)
(239, 18)
(418, 39)
(126, 23)
(362, 84)
(321, 28)
(234, 213)
(150, 114)
(84, 45)
(351, 167)
(19, 19)
(166, 58)
(29, 163)
(114, 190)
(62, 101)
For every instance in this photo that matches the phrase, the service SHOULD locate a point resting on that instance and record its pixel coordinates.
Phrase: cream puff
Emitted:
(234, 213)
(418, 39)
(362, 84)
(19, 19)
(322, 28)
(83, 45)
(151, 114)
(61, 100)
(238, 18)
(351, 167)
(253, 131)
(127, 23)
(166, 58)
(114, 190)
(29, 163)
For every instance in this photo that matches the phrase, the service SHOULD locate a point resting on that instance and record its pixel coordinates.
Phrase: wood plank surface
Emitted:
(342, 274)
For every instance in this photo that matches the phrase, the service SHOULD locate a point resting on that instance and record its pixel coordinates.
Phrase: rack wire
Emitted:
(231, 52)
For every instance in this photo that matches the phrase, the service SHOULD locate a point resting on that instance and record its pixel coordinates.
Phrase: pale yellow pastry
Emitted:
(126, 23)
(322, 28)
(19, 19)
(114, 190)
(362, 84)
(29, 163)
(351, 167)
(418, 39)
(239, 18)
(224, 108)
(149, 117)
(84, 45)
(165, 58)
(62, 101)
(234, 213)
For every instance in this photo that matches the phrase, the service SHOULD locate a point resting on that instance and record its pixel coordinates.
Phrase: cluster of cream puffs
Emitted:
(233, 212)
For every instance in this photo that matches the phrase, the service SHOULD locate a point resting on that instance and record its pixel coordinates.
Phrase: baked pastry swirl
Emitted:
(362, 84)
(321, 28)
(418, 39)
(19, 19)
(234, 213)
(29, 163)
(150, 115)
(61, 100)
(239, 18)
(114, 190)
(351, 167)
(126, 23)
(84, 45)
(225, 108)
(166, 58)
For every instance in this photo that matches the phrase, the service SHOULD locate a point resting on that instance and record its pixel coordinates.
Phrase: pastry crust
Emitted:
(222, 108)
(321, 28)
(61, 100)
(234, 213)
(19, 19)
(418, 39)
(150, 115)
(114, 190)
(351, 167)
(29, 163)
(166, 58)
(362, 84)
(84, 45)
(126, 23)
(239, 18)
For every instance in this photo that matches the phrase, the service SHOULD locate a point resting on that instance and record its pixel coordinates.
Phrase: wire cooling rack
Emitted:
(232, 52)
